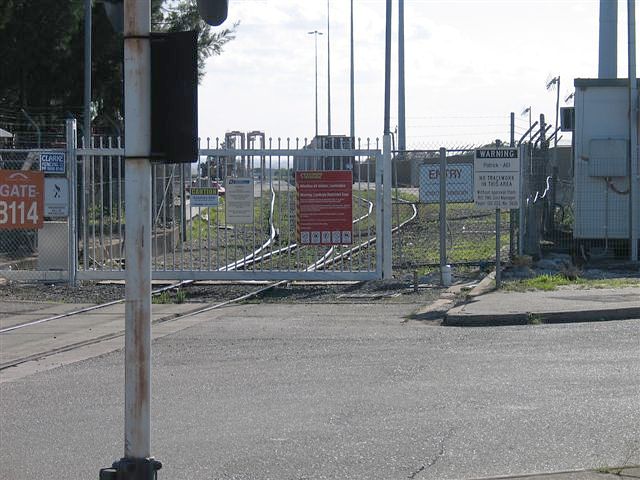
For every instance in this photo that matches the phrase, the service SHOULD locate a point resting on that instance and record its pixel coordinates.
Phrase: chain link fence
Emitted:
(32, 237)
(469, 233)
(579, 214)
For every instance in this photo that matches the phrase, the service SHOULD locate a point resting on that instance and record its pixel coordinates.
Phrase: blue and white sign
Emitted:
(459, 183)
(52, 162)
(56, 197)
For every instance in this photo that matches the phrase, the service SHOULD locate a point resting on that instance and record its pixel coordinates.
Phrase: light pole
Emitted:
(352, 121)
(86, 123)
(328, 74)
(402, 133)
(315, 34)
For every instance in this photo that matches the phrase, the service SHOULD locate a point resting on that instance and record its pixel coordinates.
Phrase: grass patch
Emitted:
(165, 298)
(535, 319)
(162, 298)
(552, 282)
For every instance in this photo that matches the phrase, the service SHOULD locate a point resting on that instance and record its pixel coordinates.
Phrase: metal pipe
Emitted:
(328, 73)
(137, 75)
(387, 71)
(608, 39)
(443, 212)
(387, 262)
(87, 72)
(315, 33)
(402, 133)
(512, 212)
(352, 117)
(634, 197)
(71, 134)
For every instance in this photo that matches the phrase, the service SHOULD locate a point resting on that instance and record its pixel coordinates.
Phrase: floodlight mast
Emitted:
(328, 73)
(608, 39)
(315, 33)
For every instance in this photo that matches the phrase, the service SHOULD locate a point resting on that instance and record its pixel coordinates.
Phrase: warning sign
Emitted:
(324, 201)
(239, 201)
(204, 197)
(21, 199)
(497, 178)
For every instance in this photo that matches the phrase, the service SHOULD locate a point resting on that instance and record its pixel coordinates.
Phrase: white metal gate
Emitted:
(199, 242)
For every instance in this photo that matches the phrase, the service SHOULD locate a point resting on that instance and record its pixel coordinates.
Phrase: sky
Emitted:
(468, 64)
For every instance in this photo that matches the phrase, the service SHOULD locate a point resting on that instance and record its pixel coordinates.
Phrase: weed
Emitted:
(535, 319)
(181, 296)
(548, 282)
(161, 299)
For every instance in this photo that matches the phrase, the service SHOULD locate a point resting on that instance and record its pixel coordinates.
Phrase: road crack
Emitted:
(434, 459)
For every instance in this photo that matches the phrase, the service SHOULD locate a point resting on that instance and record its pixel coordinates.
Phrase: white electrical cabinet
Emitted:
(601, 159)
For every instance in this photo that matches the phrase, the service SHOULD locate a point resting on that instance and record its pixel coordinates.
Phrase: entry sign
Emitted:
(21, 199)
(459, 183)
(52, 162)
(324, 207)
(497, 178)
(239, 201)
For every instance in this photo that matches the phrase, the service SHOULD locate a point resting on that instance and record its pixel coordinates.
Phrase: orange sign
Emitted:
(21, 199)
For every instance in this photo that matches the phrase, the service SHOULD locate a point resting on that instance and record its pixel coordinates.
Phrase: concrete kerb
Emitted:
(530, 318)
(450, 298)
(440, 311)
(533, 318)
(630, 472)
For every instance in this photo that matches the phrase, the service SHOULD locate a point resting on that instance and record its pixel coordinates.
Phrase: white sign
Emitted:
(204, 197)
(459, 183)
(52, 162)
(239, 201)
(497, 178)
(56, 197)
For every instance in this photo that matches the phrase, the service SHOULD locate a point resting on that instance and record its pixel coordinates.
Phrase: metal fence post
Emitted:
(443, 210)
(512, 212)
(523, 201)
(634, 133)
(72, 262)
(498, 246)
(387, 253)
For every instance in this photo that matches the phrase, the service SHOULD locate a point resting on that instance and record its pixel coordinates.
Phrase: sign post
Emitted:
(497, 186)
(137, 463)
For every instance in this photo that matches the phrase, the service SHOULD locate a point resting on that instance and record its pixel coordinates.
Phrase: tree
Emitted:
(41, 56)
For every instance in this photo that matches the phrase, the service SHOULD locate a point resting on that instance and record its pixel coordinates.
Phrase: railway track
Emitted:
(330, 257)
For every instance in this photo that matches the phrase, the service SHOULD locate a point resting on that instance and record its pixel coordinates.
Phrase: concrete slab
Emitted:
(603, 474)
(582, 475)
(16, 313)
(67, 332)
(563, 305)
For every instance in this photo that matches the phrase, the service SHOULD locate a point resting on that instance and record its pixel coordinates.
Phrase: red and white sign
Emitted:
(324, 200)
(21, 199)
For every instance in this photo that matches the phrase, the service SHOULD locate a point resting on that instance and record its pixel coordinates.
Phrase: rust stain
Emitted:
(141, 348)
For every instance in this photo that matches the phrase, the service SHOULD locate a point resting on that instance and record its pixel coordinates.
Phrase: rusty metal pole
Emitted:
(137, 463)
(137, 68)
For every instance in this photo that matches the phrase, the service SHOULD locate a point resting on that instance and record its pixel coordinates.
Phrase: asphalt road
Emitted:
(342, 391)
